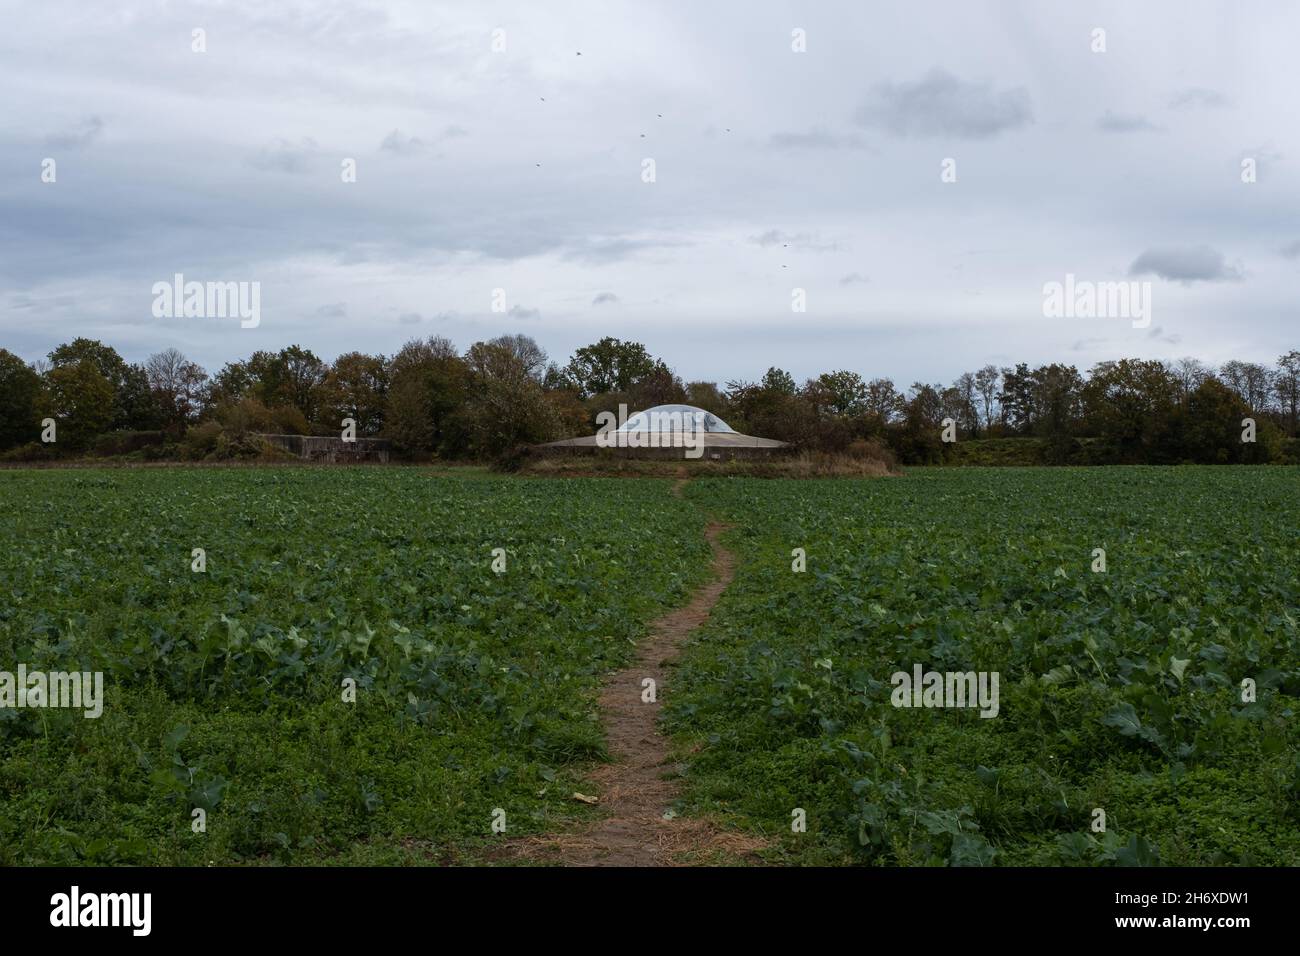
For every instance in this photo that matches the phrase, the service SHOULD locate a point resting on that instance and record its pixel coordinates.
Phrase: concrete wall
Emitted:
(719, 453)
(333, 450)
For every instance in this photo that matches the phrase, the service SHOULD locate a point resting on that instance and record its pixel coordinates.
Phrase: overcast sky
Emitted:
(522, 169)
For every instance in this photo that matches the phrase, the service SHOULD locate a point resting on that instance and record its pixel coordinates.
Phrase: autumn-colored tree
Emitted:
(708, 396)
(659, 386)
(178, 386)
(881, 404)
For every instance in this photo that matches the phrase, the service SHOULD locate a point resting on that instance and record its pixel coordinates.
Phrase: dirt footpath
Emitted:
(632, 789)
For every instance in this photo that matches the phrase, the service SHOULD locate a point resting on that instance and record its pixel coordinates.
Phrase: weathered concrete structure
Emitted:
(330, 449)
(680, 432)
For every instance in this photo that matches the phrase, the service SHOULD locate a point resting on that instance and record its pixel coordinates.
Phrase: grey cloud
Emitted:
(853, 277)
(941, 104)
(283, 156)
(402, 144)
(1197, 97)
(802, 240)
(602, 249)
(82, 134)
(1159, 333)
(335, 310)
(162, 194)
(1125, 123)
(604, 298)
(399, 142)
(410, 318)
(519, 312)
(1185, 264)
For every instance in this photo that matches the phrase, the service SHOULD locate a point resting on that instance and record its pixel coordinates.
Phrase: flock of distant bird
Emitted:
(660, 115)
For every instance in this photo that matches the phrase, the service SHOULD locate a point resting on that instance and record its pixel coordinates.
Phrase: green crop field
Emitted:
(223, 688)
(1120, 691)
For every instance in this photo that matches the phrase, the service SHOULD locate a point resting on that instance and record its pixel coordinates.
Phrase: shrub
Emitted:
(125, 442)
(32, 451)
(250, 415)
(200, 441)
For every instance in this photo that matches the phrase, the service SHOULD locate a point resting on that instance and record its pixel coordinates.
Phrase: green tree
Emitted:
(772, 408)
(236, 380)
(20, 390)
(507, 406)
(137, 405)
(293, 376)
(609, 365)
(1131, 404)
(1058, 405)
(427, 393)
(131, 405)
(80, 400)
(1211, 425)
(778, 382)
(356, 387)
(299, 376)
(1017, 398)
(846, 392)
(918, 437)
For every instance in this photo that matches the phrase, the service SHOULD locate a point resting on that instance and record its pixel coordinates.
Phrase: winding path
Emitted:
(636, 787)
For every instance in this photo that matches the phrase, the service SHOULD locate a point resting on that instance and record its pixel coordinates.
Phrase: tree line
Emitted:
(431, 400)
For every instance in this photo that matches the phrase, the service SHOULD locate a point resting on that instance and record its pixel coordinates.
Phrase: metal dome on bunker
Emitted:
(666, 431)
